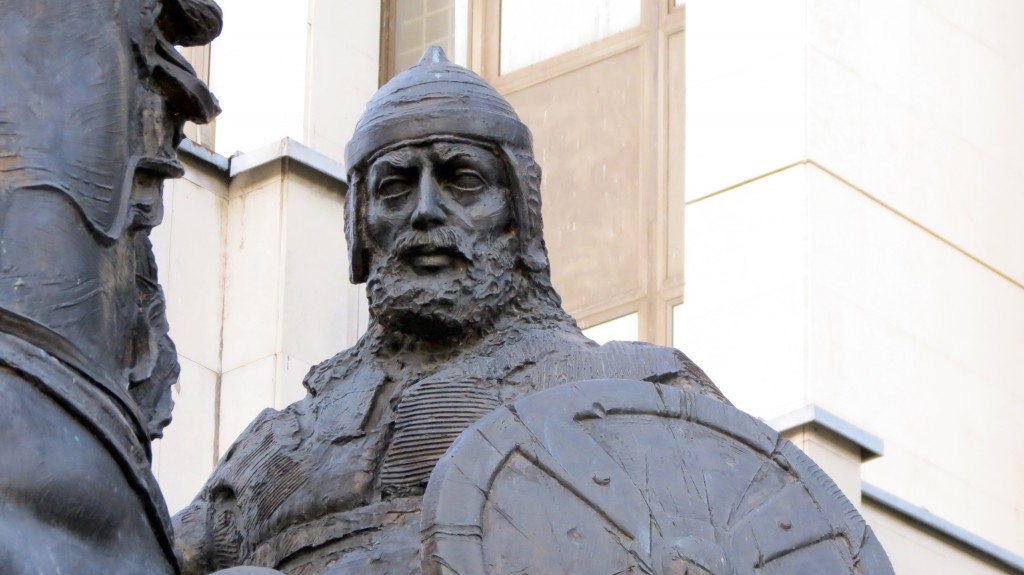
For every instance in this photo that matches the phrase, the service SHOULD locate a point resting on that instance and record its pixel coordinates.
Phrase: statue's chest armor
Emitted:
(429, 416)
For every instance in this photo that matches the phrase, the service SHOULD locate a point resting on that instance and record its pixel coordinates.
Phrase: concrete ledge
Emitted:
(292, 150)
(210, 158)
(284, 149)
(871, 446)
(924, 519)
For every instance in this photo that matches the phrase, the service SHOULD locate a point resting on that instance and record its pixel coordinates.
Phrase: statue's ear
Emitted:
(525, 183)
(355, 217)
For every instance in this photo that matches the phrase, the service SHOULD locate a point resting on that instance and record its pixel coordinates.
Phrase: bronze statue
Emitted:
(92, 103)
(444, 225)
(470, 361)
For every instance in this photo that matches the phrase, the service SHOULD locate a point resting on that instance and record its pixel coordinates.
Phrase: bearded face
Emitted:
(439, 221)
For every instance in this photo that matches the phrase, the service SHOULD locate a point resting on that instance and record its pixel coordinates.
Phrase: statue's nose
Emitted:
(428, 212)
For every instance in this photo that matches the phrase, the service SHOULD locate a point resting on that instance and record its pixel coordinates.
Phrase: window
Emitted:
(534, 30)
(677, 326)
(417, 24)
(625, 328)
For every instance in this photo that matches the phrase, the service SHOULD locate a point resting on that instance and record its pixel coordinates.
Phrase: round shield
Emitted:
(614, 476)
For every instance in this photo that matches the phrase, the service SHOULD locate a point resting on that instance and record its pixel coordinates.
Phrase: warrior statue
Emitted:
(443, 222)
(92, 103)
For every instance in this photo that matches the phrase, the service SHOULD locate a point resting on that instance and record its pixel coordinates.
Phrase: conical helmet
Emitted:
(435, 97)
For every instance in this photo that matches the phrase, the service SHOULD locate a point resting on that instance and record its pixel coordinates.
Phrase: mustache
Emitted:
(444, 238)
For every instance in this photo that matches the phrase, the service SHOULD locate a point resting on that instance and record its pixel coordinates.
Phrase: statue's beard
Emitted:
(467, 296)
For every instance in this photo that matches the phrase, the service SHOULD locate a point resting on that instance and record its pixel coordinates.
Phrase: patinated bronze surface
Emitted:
(92, 101)
(613, 476)
(443, 223)
(444, 226)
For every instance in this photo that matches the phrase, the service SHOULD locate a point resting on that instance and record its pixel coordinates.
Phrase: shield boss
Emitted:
(613, 476)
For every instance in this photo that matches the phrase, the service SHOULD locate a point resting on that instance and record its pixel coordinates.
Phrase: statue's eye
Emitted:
(393, 187)
(467, 180)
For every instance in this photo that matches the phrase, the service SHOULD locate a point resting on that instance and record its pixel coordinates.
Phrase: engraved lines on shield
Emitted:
(727, 496)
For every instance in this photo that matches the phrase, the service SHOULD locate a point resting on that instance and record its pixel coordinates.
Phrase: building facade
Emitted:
(817, 200)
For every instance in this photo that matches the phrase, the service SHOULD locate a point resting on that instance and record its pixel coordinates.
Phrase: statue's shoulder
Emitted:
(332, 372)
(269, 426)
(551, 356)
(658, 364)
(340, 390)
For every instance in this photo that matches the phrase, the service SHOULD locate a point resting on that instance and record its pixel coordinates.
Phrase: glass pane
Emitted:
(677, 326)
(625, 328)
(420, 23)
(534, 30)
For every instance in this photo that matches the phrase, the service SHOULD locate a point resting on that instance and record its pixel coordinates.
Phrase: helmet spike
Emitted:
(434, 54)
